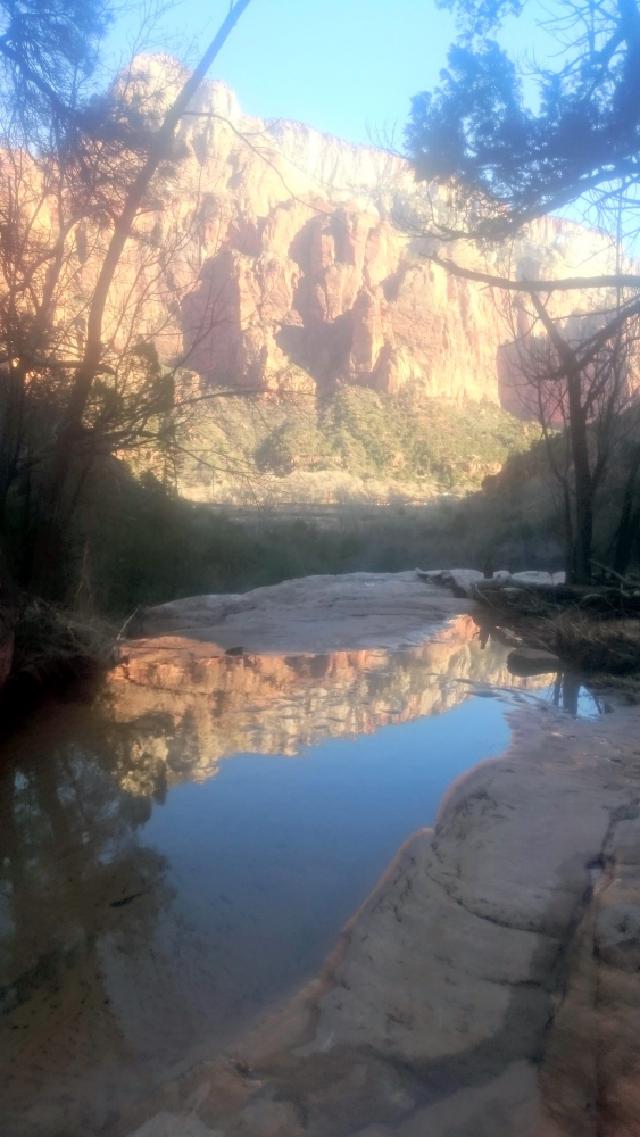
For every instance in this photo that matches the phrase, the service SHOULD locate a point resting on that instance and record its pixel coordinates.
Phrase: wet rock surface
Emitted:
(137, 933)
(489, 985)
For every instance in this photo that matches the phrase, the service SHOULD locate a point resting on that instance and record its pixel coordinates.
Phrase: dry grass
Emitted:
(589, 643)
(598, 645)
(52, 644)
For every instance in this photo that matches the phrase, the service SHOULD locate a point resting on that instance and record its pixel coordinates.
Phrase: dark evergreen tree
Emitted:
(509, 158)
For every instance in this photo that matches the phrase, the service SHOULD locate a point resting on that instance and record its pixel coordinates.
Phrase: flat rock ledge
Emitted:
(313, 614)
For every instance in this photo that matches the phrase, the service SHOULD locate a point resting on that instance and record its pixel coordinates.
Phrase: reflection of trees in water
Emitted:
(567, 690)
(84, 906)
(70, 866)
(76, 789)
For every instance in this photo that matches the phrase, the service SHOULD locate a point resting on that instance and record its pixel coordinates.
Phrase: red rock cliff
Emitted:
(287, 271)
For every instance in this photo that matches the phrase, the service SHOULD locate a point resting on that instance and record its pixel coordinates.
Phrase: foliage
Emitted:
(478, 126)
(609, 646)
(55, 645)
(145, 545)
(47, 52)
(80, 374)
(509, 163)
(294, 444)
(436, 442)
(148, 546)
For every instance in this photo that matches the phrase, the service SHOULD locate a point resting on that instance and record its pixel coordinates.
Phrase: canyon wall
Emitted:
(280, 263)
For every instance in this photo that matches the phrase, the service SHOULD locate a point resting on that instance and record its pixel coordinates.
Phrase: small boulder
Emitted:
(429, 574)
(532, 577)
(461, 581)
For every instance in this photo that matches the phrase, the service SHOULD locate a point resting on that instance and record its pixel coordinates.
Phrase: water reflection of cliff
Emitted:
(180, 706)
(124, 946)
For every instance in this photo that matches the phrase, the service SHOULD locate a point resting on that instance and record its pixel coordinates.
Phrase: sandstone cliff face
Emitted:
(287, 271)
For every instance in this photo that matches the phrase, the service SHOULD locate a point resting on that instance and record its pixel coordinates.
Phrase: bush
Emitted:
(372, 436)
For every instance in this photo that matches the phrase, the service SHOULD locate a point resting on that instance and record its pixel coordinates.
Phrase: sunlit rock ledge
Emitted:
(310, 614)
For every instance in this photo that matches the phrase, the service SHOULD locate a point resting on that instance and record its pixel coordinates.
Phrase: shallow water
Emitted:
(176, 859)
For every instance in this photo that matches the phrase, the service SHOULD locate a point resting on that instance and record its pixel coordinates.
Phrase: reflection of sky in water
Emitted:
(587, 706)
(275, 853)
(564, 693)
(183, 884)
(574, 699)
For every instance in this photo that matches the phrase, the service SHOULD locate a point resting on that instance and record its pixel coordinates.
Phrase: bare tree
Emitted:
(505, 160)
(579, 395)
(81, 377)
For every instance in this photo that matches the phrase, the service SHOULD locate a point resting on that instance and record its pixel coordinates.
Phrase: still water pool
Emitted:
(176, 859)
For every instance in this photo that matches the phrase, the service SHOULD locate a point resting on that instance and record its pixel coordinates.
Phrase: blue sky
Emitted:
(348, 67)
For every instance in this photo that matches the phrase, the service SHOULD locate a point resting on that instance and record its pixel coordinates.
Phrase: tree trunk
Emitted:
(629, 519)
(583, 484)
(569, 542)
(57, 492)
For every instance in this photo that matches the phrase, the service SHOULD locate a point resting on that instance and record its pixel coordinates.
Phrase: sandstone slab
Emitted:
(318, 613)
